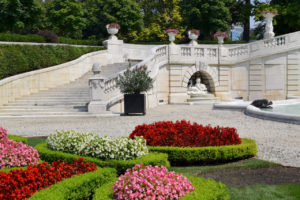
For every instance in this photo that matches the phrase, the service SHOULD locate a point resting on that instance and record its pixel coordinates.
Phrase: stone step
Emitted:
(42, 113)
(29, 107)
(56, 98)
(46, 104)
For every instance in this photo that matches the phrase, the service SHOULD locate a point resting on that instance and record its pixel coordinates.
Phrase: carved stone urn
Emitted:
(193, 37)
(172, 37)
(172, 33)
(112, 29)
(220, 39)
(269, 15)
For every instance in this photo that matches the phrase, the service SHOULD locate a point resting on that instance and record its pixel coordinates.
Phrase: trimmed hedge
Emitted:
(11, 37)
(205, 189)
(180, 156)
(77, 187)
(16, 138)
(16, 59)
(50, 155)
(80, 42)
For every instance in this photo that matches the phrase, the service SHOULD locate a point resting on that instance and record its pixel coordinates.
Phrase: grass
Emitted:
(246, 164)
(33, 141)
(265, 192)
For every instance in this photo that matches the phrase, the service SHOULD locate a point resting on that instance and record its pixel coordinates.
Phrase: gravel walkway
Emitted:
(277, 142)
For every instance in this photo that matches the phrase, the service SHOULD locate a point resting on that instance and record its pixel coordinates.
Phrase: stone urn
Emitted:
(193, 37)
(112, 30)
(269, 15)
(172, 37)
(220, 39)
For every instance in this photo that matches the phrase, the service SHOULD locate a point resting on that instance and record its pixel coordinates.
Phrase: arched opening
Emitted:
(206, 79)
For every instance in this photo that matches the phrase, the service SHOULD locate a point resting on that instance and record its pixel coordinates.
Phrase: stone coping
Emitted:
(256, 112)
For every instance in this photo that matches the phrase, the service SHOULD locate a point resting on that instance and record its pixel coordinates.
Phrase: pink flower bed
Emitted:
(15, 154)
(151, 183)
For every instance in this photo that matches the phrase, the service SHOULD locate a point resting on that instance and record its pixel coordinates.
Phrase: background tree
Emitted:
(65, 17)
(288, 19)
(206, 15)
(127, 13)
(159, 15)
(19, 16)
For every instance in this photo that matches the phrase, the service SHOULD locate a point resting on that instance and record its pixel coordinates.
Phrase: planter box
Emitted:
(134, 103)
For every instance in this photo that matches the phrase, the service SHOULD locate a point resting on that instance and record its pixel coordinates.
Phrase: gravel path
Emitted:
(277, 142)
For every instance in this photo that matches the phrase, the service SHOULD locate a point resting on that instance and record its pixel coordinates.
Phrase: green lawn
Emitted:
(265, 192)
(34, 141)
(248, 164)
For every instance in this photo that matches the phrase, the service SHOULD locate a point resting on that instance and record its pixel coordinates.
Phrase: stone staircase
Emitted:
(69, 100)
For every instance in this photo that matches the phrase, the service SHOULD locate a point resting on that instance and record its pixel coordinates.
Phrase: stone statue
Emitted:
(197, 89)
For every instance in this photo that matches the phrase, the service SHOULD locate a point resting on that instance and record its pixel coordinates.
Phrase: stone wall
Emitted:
(51, 77)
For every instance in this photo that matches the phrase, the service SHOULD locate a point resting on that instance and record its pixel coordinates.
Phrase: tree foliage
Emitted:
(160, 15)
(288, 19)
(127, 13)
(19, 15)
(206, 15)
(66, 17)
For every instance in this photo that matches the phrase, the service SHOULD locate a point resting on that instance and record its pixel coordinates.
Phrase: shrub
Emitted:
(147, 182)
(205, 189)
(49, 36)
(89, 144)
(93, 42)
(185, 134)
(135, 81)
(208, 155)
(16, 138)
(121, 165)
(77, 187)
(16, 59)
(11, 37)
(15, 154)
(20, 184)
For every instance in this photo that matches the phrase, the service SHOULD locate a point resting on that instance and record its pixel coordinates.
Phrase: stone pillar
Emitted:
(97, 104)
(115, 50)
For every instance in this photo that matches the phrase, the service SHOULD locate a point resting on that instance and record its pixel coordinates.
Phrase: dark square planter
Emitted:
(134, 103)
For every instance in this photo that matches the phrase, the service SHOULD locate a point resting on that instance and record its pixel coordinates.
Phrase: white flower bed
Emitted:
(89, 144)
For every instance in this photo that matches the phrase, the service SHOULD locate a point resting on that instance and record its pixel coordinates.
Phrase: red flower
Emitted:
(21, 184)
(183, 134)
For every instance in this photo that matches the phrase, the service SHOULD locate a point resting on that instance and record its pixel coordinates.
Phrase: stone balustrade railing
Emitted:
(230, 54)
(112, 93)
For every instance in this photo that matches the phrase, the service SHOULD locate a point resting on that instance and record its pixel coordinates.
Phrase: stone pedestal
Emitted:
(97, 104)
(115, 50)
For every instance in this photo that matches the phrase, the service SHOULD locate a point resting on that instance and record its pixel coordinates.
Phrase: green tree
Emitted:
(65, 17)
(158, 16)
(288, 19)
(206, 15)
(127, 13)
(19, 16)
(241, 10)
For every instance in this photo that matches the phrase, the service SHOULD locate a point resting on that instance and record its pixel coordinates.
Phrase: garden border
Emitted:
(205, 189)
(180, 156)
(77, 187)
(153, 159)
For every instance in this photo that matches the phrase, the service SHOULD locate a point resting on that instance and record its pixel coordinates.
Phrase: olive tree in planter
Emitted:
(132, 83)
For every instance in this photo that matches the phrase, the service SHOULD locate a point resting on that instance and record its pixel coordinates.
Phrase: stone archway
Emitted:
(208, 75)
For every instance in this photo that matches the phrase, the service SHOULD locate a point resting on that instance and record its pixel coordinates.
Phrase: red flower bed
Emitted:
(21, 184)
(185, 134)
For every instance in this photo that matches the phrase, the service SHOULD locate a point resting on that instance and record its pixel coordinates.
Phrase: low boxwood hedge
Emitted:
(180, 156)
(205, 189)
(16, 138)
(77, 187)
(17, 59)
(153, 158)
